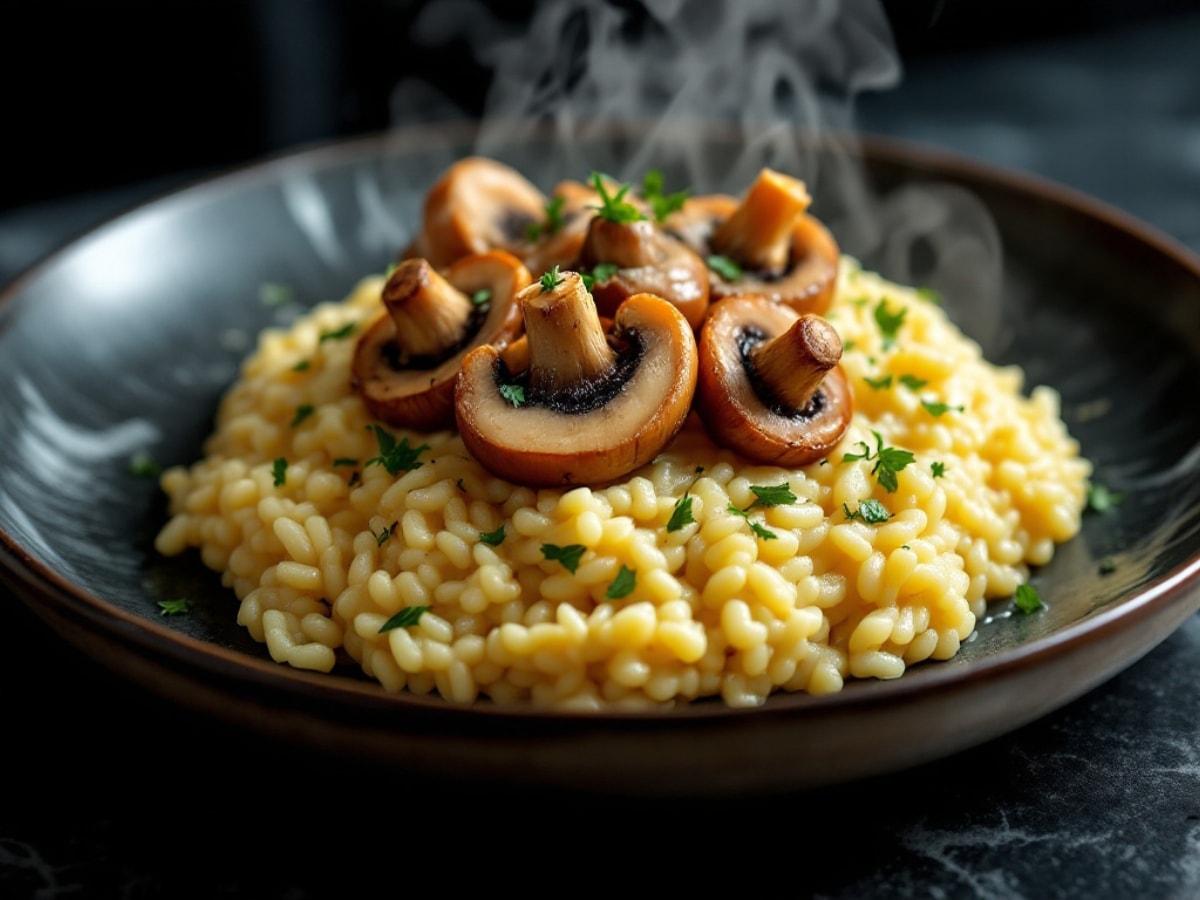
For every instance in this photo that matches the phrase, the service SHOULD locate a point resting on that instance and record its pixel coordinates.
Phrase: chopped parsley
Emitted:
(889, 461)
(889, 322)
(174, 607)
(936, 408)
(143, 465)
(482, 297)
(395, 456)
(493, 538)
(345, 461)
(303, 411)
(681, 515)
(569, 555)
(1101, 499)
(929, 295)
(384, 534)
(604, 271)
(551, 279)
(937, 469)
(1027, 599)
(1108, 565)
(338, 334)
(622, 585)
(883, 381)
(552, 223)
(761, 530)
(614, 207)
(513, 393)
(912, 382)
(271, 294)
(725, 267)
(303, 366)
(870, 511)
(662, 204)
(410, 615)
(772, 495)
(279, 471)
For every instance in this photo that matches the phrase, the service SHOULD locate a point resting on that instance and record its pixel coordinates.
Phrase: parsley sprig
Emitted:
(395, 456)
(569, 555)
(552, 223)
(870, 511)
(661, 203)
(889, 461)
(768, 496)
(410, 615)
(681, 515)
(622, 586)
(889, 322)
(1027, 599)
(614, 207)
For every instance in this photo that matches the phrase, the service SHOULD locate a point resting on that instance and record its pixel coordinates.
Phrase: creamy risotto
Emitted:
(697, 575)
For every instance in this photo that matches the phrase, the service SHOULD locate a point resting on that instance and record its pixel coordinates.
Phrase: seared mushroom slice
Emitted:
(769, 384)
(478, 204)
(591, 407)
(766, 243)
(405, 363)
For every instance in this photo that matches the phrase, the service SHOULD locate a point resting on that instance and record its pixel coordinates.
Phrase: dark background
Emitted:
(98, 95)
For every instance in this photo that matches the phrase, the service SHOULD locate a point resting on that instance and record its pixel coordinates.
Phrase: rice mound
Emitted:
(745, 600)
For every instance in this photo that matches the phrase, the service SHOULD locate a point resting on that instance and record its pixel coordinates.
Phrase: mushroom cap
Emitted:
(810, 280)
(423, 397)
(666, 267)
(562, 247)
(478, 204)
(734, 412)
(538, 445)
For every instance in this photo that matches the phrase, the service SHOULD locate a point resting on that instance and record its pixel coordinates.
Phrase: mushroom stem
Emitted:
(793, 364)
(431, 315)
(567, 345)
(627, 245)
(758, 234)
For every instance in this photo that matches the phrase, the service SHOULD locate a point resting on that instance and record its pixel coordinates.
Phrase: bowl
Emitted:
(123, 342)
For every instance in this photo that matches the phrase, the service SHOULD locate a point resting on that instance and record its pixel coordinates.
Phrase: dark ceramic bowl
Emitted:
(122, 343)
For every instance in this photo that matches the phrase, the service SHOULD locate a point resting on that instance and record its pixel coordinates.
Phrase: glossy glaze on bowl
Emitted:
(122, 343)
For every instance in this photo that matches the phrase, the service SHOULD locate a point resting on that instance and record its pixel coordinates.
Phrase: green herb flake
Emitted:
(482, 297)
(912, 382)
(936, 408)
(847, 346)
(384, 534)
(870, 511)
(623, 585)
(279, 471)
(271, 294)
(176, 606)
(1027, 599)
(345, 461)
(614, 207)
(143, 465)
(303, 366)
(338, 334)
(513, 393)
(725, 267)
(662, 203)
(1101, 499)
(569, 555)
(929, 295)
(889, 322)
(772, 495)
(303, 411)
(553, 222)
(1108, 565)
(410, 615)
(889, 461)
(681, 515)
(492, 538)
(604, 271)
(763, 532)
(395, 456)
(880, 383)
(551, 279)
(937, 469)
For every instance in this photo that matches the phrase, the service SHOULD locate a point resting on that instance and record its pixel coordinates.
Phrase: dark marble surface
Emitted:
(107, 791)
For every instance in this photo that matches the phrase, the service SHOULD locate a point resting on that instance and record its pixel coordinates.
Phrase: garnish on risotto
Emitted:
(582, 524)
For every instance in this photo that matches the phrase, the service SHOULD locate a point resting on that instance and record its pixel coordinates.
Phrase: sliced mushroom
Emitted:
(405, 363)
(478, 204)
(769, 383)
(590, 407)
(777, 249)
(647, 260)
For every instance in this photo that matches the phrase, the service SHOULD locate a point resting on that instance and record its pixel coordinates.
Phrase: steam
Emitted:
(760, 80)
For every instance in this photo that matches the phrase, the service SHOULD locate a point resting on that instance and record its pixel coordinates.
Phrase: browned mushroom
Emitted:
(591, 407)
(557, 239)
(405, 363)
(627, 258)
(769, 383)
(478, 204)
(766, 243)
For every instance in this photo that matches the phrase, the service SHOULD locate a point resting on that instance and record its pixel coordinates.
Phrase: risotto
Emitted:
(698, 574)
